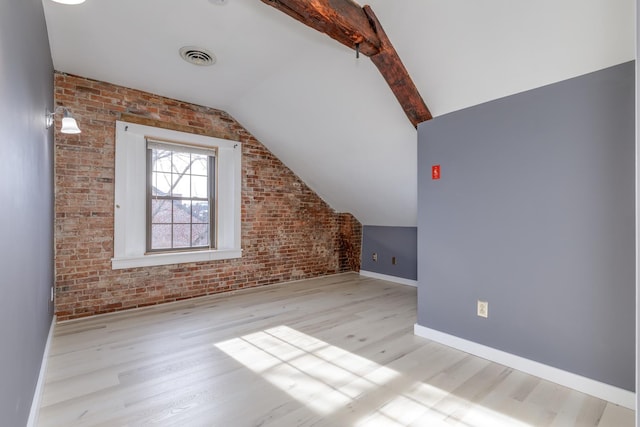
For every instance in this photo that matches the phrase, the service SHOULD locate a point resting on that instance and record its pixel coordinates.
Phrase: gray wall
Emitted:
(637, 215)
(388, 242)
(535, 214)
(26, 194)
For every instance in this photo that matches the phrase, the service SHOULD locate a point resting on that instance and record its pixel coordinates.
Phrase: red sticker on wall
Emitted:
(435, 172)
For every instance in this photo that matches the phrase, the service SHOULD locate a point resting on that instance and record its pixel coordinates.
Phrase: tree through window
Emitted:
(180, 197)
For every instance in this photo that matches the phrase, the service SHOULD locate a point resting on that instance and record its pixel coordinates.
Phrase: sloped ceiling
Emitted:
(331, 118)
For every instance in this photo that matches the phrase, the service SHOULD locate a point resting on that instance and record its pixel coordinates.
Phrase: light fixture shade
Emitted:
(69, 1)
(69, 125)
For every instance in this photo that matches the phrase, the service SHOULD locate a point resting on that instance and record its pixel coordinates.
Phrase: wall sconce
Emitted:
(69, 124)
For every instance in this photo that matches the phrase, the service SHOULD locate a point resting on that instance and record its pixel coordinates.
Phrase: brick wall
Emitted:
(288, 232)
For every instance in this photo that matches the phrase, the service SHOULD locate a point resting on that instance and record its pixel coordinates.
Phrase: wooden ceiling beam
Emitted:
(343, 21)
(391, 67)
(359, 28)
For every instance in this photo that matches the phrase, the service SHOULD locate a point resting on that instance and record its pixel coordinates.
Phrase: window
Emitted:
(180, 202)
(175, 202)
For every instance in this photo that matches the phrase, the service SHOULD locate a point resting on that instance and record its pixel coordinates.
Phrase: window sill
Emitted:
(174, 258)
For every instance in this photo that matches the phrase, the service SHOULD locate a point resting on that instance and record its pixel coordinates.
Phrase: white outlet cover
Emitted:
(483, 309)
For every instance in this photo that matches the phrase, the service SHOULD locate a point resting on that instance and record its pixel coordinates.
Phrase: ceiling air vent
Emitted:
(197, 55)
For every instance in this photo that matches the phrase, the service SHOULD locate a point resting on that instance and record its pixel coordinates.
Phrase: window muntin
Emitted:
(180, 197)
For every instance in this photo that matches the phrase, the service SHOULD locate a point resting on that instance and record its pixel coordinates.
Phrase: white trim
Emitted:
(37, 395)
(388, 278)
(174, 258)
(585, 385)
(130, 240)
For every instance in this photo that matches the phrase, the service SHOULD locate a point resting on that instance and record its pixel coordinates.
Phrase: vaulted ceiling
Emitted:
(329, 116)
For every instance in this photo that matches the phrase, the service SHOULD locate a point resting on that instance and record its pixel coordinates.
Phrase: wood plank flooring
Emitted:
(334, 351)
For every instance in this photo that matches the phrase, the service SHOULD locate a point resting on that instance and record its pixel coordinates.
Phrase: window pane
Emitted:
(182, 211)
(199, 187)
(160, 236)
(161, 160)
(200, 212)
(176, 219)
(161, 211)
(199, 164)
(181, 185)
(181, 235)
(161, 183)
(181, 163)
(200, 235)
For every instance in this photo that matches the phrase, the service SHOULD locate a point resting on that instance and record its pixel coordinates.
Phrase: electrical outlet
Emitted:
(374, 257)
(393, 260)
(483, 308)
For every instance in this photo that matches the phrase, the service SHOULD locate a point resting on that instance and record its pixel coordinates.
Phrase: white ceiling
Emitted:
(329, 117)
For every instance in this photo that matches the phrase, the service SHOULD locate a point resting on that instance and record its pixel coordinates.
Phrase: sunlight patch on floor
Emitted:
(419, 401)
(327, 378)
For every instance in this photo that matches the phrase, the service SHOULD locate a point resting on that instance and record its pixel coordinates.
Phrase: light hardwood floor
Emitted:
(334, 351)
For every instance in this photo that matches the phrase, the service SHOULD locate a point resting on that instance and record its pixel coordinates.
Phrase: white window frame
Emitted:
(130, 213)
(171, 198)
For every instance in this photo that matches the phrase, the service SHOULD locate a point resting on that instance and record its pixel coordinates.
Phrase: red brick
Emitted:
(288, 232)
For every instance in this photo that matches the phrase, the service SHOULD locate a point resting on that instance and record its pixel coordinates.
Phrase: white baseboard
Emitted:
(585, 385)
(37, 395)
(388, 278)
